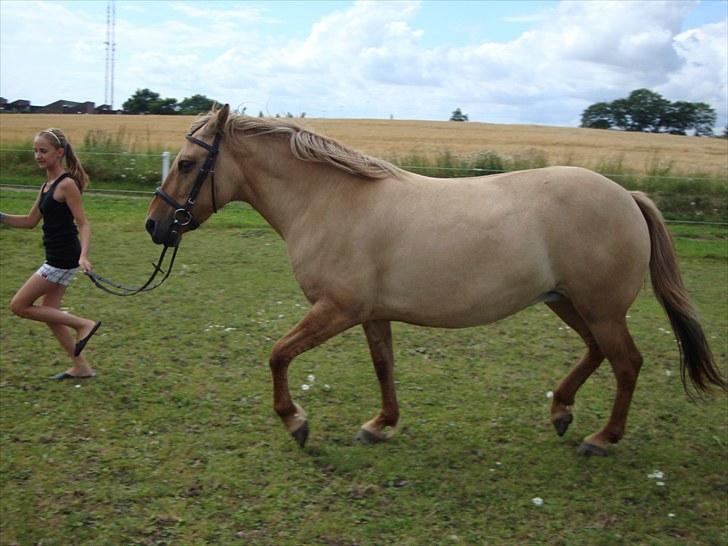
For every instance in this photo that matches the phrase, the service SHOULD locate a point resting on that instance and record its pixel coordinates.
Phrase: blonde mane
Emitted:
(306, 145)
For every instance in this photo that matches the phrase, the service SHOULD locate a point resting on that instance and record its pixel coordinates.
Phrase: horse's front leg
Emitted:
(379, 337)
(322, 322)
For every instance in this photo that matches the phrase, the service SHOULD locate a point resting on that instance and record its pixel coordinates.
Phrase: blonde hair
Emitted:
(58, 140)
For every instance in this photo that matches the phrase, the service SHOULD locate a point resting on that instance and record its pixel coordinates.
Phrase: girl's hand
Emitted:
(85, 264)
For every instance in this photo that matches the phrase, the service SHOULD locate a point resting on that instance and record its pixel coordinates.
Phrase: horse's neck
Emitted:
(283, 189)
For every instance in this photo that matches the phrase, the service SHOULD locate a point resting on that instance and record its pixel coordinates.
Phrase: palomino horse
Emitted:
(370, 244)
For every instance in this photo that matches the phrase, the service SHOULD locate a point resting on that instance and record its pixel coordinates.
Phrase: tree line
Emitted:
(646, 111)
(643, 110)
(146, 101)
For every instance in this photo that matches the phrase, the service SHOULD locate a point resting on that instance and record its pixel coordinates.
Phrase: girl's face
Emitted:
(46, 155)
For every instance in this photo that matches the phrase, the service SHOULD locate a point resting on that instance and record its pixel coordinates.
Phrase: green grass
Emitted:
(175, 442)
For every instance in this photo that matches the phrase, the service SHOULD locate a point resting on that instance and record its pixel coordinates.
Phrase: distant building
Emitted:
(58, 107)
(18, 106)
(68, 107)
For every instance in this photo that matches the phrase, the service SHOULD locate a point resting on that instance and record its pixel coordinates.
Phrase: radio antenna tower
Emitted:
(110, 52)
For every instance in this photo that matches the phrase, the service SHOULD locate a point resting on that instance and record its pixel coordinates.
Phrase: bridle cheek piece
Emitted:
(183, 212)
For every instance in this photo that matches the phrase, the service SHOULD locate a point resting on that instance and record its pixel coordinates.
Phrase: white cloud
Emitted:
(48, 52)
(369, 60)
(247, 14)
(628, 35)
(583, 52)
(703, 76)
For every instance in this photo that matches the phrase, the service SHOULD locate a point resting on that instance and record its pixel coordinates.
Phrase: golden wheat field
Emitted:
(391, 139)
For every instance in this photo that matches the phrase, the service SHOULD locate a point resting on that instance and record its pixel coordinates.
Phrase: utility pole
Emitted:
(110, 52)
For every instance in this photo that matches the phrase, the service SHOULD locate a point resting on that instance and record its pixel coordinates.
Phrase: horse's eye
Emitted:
(186, 165)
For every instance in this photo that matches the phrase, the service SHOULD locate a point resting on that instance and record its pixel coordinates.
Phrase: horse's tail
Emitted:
(696, 358)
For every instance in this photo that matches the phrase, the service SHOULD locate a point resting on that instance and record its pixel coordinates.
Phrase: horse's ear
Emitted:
(222, 116)
(217, 122)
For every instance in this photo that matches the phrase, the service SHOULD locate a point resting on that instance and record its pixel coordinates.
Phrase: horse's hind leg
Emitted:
(379, 337)
(565, 393)
(617, 345)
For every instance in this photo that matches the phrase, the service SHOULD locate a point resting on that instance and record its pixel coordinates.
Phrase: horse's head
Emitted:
(188, 196)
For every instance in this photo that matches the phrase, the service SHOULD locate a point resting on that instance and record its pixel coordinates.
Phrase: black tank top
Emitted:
(60, 235)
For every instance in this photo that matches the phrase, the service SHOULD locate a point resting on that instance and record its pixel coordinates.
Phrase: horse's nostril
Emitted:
(150, 225)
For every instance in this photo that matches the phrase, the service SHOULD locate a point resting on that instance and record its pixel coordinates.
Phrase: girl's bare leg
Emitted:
(80, 366)
(49, 312)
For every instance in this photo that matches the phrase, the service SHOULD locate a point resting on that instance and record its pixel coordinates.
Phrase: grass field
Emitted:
(393, 139)
(176, 443)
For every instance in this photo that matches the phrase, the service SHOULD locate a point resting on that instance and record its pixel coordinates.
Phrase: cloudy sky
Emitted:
(539, 62)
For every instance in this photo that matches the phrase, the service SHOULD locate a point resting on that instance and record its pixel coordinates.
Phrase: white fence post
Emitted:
(165, 165)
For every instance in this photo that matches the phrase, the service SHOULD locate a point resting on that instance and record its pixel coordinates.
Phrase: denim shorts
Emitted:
(56, 274)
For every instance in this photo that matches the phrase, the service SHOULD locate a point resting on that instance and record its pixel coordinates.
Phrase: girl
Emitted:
(59, 204)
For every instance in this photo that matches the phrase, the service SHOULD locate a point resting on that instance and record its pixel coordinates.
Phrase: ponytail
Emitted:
(75, 169)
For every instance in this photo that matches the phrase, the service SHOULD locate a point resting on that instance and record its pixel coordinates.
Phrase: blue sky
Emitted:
(537, 62)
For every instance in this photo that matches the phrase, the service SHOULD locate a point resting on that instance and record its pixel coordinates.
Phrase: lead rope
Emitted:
(119, 290)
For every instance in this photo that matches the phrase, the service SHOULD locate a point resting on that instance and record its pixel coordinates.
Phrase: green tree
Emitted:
(620, 113)
(645, 110)
(458, 115)
(141, 101)
(196, 104)
(680, 117)
(146, 101)
(165, 106)
(704, 118)
(598, 116)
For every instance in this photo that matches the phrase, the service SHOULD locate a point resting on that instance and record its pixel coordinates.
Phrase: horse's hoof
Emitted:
(366, 437)
(561, 424)
(301, 434)
(588, 450)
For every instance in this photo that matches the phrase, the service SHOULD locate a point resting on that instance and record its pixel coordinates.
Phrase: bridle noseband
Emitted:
(182, 217)
(183, 213)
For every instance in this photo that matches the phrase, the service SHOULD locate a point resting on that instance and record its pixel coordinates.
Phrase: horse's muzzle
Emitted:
(161, 236)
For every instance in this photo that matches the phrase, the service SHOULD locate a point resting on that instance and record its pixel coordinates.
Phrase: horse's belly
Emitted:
(453, 317)
(444, 301)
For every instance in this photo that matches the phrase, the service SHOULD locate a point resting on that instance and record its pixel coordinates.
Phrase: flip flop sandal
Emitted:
(80, 344)
(65, 375)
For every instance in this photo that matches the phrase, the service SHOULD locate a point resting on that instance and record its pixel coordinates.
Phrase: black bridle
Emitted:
(182, 218)
(183, 212)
